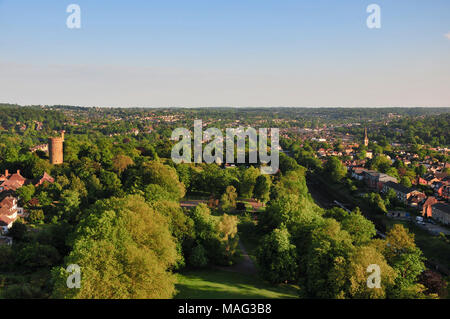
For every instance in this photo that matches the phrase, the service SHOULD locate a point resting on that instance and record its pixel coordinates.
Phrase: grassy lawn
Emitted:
(219, 284)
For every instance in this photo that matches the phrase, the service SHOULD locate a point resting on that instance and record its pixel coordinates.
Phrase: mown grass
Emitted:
(221, 284)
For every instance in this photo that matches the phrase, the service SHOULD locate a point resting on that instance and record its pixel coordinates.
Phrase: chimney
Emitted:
(18, 172)
(62, 135)
(6, 173)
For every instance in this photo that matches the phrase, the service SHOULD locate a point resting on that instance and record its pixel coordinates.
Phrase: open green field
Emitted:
(220, 284)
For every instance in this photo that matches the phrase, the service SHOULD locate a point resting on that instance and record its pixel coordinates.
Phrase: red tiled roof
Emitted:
(5, 211)
(45, 178)
(5, 220)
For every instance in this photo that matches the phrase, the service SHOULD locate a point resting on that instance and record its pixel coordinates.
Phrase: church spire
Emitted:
(366, 138)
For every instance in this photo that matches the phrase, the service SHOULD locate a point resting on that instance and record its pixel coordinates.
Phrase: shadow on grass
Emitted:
(218, 284)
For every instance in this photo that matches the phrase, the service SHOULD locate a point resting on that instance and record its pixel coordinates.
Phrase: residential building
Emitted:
(11, 182)
(8, 213)
(358, 173)
(376, 180)
(403, 193)
(427, 206)
(441, 213)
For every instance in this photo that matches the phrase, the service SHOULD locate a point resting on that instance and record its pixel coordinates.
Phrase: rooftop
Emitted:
(399, 187)
(442, 207)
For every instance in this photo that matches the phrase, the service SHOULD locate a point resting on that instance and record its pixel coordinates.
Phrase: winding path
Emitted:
(244, 266)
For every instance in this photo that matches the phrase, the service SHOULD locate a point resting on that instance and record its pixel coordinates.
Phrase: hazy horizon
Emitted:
(227, 107)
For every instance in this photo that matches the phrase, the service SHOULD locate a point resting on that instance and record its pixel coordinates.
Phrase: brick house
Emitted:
(11, 182)
(420, 181)
(403, 193)
(377, 180)
(427, 206)
(8, 213)
(441, 213)
(45, 178)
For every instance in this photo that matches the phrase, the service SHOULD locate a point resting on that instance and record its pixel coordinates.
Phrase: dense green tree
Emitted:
(420, 170)
(18, 230)
(164, 176)
(112, 185)
(334, 169)
(125, 249)
(350, 275)
(277, 257)
(403, 255)
(360, 228)
(228, 199)
(329, 246)
(262, 188)
(287, 163)
(120, 162)
(229, 240)
(376, 202)
(380, 163)
(36, 216)
(198, 257)
(405, 181)
(26, 193)
(34, 256)
(248, 181)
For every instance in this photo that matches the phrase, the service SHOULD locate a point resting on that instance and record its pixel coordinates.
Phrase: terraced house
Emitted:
(441, 212)
(9, 184)
(8, 213)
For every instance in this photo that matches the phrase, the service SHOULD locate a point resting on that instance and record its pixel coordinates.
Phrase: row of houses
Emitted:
(9, 212)
(429, 206)
(439, 182)
(9, 184)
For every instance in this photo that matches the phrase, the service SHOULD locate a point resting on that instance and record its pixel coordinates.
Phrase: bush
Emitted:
(7, 258)
(18, 230)
(35, 256)
(36, 216)
(198, 257)
(22, 291)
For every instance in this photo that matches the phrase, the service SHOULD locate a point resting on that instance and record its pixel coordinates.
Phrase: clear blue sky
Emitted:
(225, 52)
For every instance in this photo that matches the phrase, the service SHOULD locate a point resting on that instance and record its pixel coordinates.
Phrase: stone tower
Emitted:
(366, 138)
(55, 147)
